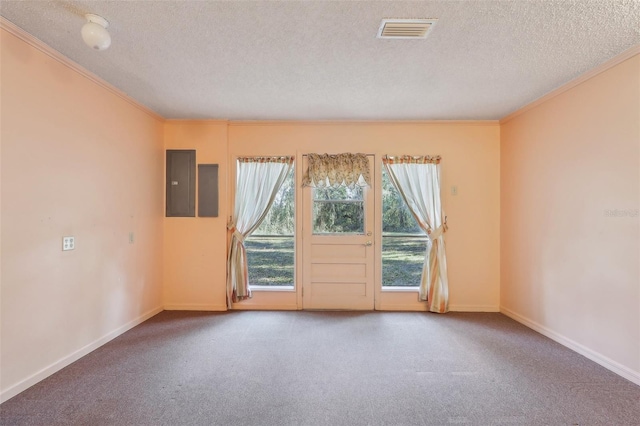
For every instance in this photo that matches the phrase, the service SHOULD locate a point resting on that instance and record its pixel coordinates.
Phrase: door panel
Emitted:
(333, 270)
(330, 290)
(339, 249)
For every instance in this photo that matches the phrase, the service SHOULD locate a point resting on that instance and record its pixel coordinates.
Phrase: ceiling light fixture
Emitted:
(94, 32)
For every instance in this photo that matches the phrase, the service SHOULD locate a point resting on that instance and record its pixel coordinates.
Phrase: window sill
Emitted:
(400, 289)
(272, 288)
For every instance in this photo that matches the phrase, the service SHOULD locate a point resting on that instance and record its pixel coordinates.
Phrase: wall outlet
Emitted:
(68, 243)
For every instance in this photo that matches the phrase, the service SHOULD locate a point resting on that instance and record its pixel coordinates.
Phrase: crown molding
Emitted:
(627, 54)
(237, 123)
(204, 121)
(21, 34)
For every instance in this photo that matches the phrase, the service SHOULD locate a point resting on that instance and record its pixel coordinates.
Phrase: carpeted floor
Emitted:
(329, 368)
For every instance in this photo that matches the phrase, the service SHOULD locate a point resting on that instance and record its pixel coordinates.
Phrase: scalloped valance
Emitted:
(336, 170)
(411, 159)
(285, 160)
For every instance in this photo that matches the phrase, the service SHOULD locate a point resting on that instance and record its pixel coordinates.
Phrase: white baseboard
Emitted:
(264, 307)
(609, 364)
(422, 307)
(63, 362)
(195, 307)
(400, 308)
(474, 308)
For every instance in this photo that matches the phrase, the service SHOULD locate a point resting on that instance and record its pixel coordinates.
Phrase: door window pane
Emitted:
(338, 210)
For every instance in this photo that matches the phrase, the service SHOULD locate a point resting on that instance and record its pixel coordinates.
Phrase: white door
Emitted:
(338, 252)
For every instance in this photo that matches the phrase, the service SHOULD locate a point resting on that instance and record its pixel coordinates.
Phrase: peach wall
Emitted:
(569, 267)
(194, 258)
(78, 160)
(195, 248)
(471, 161)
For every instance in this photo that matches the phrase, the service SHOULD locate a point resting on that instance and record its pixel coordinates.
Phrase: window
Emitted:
(270, 249)
(404, 244)
(338, 210)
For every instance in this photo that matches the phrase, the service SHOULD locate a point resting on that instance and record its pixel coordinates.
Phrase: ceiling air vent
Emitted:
(405, 28)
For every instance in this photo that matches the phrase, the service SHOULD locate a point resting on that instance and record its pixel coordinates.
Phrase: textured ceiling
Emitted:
(320, 60)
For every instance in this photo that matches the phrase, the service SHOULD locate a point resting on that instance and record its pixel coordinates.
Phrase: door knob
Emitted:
(369, 234)
(368, 243)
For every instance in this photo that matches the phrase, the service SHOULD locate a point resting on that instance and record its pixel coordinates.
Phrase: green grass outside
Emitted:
(402, 260)
(271, 260)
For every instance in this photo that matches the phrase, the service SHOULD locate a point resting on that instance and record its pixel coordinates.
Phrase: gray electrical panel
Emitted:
(208, 190)
(181, 183)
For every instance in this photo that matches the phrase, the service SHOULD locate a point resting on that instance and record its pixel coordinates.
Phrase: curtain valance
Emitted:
(410, 159)
(283, 160)
(336, 170)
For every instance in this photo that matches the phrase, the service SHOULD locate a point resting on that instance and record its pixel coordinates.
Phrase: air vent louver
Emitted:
(405, 28)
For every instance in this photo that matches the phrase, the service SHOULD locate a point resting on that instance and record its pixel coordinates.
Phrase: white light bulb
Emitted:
(95, 34)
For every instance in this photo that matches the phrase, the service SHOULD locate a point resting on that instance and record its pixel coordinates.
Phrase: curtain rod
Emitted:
(306, 155)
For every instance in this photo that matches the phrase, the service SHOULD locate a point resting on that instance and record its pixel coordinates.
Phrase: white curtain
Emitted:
(418, 181)
(258, 180)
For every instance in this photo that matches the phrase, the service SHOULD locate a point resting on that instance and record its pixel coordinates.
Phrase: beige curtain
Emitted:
(258, 180)
(336, 170)
(418, 181)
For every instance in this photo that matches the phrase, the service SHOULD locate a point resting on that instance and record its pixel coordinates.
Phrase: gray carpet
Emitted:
(329, 368)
